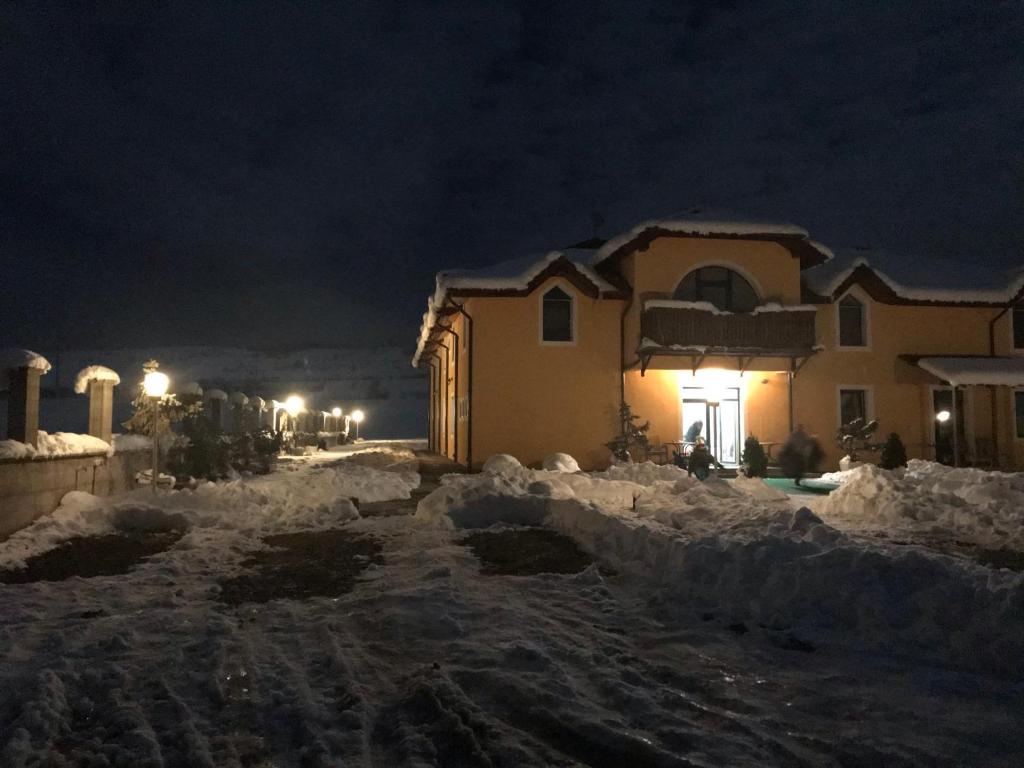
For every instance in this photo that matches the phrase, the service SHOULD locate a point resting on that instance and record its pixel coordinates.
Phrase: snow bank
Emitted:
(94, 373)
(307, 498)
(738, 549)
(983, 508)
(57, 444)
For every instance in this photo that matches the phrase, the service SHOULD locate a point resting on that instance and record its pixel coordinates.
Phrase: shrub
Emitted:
(856, 436)
(755, 460)
(633, 435)
(893, 453)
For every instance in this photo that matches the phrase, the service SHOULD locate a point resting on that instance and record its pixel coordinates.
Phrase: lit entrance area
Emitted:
(711, 409)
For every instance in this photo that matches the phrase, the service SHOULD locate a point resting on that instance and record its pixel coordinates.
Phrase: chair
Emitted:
(657, 455)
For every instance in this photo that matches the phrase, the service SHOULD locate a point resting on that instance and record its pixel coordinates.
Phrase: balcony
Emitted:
(698, 329)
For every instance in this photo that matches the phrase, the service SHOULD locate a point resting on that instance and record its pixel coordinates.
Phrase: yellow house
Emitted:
(750, 328)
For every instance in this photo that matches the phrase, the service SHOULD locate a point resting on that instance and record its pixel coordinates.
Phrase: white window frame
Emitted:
(869, 401)
(573, 313)
(865, 302)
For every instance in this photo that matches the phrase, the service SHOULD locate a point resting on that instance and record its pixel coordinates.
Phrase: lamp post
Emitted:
(357, 417)
(155, 386)
(336, 413)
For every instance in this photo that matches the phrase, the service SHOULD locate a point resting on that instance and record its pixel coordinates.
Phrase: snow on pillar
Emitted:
(99, 381)
(23, 368)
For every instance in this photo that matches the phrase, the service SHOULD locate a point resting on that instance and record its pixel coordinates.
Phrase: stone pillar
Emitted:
(23, 405)
(101, 408)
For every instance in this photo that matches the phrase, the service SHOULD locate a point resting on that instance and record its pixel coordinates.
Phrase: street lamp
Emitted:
(336, 413)
(294, 405)
(155, 386)
(357, 417)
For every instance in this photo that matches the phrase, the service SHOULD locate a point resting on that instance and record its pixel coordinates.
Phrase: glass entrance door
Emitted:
(715, 416)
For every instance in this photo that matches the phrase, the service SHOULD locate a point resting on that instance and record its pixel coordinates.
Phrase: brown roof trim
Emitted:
(799, 246)
(561, 267)
(866, 278)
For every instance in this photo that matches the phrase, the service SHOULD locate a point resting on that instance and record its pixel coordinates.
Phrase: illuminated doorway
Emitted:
(717, 409)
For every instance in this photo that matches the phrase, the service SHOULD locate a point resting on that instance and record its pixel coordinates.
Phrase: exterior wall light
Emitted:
(942, 417)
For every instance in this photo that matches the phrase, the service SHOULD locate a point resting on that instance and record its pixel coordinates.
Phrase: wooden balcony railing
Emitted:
(781, 332)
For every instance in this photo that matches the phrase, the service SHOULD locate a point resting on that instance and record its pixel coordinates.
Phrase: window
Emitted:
(853, 404)
(1018, 327)
(719, 286)
(557, 316)
(851, 323)
(1018, 409)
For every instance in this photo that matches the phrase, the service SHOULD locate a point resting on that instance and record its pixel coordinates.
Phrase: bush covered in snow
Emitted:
(560, 462)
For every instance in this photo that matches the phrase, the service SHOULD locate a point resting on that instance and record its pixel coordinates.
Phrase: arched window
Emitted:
(557, 316)
(852, 322)
(725, 289)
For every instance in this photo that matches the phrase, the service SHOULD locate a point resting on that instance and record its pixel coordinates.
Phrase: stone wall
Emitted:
(31, 488)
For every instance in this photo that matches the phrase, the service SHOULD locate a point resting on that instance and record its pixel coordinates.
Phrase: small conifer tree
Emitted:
(893, 453)
(633, 435)
(755, 460)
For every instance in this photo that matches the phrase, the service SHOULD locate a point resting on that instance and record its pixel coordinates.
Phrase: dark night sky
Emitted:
(292, 174)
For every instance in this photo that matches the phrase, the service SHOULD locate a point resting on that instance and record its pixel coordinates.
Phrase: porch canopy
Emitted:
(697, 330)
(974, 370)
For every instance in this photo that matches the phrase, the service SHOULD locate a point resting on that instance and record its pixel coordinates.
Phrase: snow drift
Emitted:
(740, 550)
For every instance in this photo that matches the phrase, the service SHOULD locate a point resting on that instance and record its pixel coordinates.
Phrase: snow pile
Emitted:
(560, 462)
(57, 444)
(502, 465)
(739, 550)
(94, 373)
(311, 498)
(238, 398)
(983, 508)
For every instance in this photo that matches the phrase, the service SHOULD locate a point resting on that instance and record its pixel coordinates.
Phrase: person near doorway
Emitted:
(799, 455)
(700, 460)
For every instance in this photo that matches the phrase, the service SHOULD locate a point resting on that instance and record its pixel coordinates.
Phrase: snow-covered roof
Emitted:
(94, 373)
(13, 358)
(514, 275)
(257, 403)
(192, 388)
(960, 371)
(216, 394)
(918, 279)
(239, 398)
(710, 224)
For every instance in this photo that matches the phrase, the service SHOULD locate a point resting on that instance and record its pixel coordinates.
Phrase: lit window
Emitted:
(853, 404)
(719, 286)
(557, 320)
(1018, 408)
(851, 323)
(1018, 327)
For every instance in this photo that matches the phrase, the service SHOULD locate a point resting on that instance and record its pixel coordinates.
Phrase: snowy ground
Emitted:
(714, 633)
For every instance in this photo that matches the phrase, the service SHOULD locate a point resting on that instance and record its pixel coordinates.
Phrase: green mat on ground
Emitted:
(808, 487)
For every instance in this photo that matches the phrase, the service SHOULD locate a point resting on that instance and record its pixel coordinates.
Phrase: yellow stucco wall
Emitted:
(532, 399)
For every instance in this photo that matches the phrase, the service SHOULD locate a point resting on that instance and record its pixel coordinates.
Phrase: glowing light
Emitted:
(358, 416)
(942, 417)
(294, 405)
(155, 384)
(336, 412)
